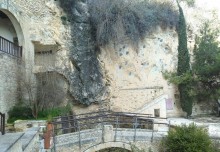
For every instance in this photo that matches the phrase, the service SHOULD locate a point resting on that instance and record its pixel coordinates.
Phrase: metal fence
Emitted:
(2, 125)
(9, 47)
(119, 120)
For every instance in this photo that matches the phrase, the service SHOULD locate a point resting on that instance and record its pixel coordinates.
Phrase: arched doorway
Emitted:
(16, 25)
(11, 36)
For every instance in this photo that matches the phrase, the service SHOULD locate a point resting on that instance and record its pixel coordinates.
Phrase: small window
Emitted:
(157, 112)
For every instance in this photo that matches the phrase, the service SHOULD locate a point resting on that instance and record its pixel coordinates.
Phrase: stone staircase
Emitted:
(20, 142)
(157, 103)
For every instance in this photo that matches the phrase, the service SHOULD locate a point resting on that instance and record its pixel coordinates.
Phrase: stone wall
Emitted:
(8, 81)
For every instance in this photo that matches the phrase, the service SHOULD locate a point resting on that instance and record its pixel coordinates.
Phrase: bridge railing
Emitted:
(2, 124)
(119, 120)
(71, 123)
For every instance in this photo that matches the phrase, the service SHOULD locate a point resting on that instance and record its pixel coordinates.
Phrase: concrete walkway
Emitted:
(9, 141)
(20, 142)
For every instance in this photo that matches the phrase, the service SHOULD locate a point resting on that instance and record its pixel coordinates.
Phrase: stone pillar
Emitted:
(108, 134)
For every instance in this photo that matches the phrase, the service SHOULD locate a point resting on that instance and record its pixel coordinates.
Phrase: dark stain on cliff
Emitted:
(87, 80)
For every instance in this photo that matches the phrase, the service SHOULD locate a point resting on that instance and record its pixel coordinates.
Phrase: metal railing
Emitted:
(2, 125)
(71, 123)
(78, 123)
(9, 47)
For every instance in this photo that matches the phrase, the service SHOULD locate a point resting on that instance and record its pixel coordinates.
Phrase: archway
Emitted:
(10, 28)
(109, 145)
(11, 38)
(15, 24)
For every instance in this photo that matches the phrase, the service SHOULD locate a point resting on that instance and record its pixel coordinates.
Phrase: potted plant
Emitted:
(49, 124)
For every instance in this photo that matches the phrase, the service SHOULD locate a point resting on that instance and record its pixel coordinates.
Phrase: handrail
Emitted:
(113, 118)
(2, 125)
(105, 112)
(9, 47)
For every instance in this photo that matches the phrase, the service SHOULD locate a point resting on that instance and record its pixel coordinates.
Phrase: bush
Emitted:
(115, 21)
(54, 112)
(19, 112)
(187, 139)
(24, 113)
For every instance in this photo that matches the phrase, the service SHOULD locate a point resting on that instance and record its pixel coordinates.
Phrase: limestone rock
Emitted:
(87, 82)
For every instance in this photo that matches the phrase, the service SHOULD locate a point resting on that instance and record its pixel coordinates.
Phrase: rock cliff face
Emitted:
(133, 75)
(129, 78)
(87, 80)
(136, 77)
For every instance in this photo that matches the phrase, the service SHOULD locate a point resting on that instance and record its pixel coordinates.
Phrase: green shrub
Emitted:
(19, 112)
(187, 139)
(54, 112)
(24, 113)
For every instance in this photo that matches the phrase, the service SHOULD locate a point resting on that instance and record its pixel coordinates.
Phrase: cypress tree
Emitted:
(183, 64)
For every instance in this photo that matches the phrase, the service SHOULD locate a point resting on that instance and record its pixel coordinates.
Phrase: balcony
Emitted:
(9, 47)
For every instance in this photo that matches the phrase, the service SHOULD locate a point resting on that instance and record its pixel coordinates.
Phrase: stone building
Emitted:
(58, 57)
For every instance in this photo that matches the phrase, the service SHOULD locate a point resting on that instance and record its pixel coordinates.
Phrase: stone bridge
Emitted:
(95, 131)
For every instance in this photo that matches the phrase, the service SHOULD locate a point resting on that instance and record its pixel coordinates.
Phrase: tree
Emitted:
(45, 89)
(206, 64)
(202, 83)
(183, 65)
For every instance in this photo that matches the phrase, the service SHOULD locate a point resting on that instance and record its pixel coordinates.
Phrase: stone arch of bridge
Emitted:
(106, 145)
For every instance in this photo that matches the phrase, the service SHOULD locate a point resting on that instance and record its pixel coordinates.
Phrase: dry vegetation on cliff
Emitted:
(116, 21)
